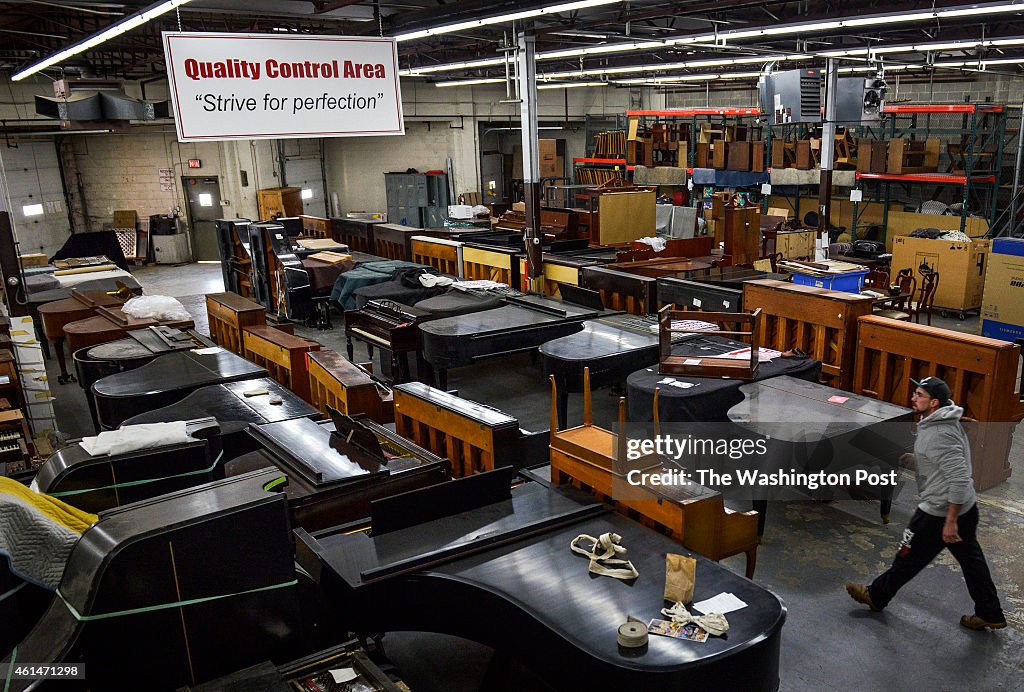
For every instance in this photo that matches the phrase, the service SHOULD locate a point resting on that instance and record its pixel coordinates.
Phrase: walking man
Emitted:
(947, 516)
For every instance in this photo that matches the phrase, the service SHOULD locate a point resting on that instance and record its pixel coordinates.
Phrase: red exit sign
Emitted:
(195, 163)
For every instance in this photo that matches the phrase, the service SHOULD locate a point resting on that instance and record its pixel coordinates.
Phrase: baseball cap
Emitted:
(936, 388)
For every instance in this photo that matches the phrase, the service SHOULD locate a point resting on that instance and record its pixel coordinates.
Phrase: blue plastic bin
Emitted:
(850, 282)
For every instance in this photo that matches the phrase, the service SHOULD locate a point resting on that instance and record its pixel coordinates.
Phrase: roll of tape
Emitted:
(632, 634)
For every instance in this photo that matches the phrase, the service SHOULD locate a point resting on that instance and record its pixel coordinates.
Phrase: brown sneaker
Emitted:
(860, 593)
(973, 622)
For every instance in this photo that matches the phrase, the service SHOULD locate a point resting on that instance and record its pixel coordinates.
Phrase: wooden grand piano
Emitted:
(234, 405)
(136, 349)
(166, 380)
(336, 468)
(459, 557)
(522, 324)
(56, 315)
(110, 323)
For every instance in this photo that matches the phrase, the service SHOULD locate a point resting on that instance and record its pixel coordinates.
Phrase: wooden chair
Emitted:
(877, 280)
(594, 459)
(925, 297)
(899, 307)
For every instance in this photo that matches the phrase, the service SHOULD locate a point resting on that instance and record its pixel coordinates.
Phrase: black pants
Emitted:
(922, 542)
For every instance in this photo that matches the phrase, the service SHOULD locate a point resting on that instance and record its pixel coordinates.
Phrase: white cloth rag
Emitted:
(603, 556)
(713, 623)
(134, 437)
(156, 308)
(431, 280)
(657, 244)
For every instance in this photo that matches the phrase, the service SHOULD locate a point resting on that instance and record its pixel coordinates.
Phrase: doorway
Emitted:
(203, 197)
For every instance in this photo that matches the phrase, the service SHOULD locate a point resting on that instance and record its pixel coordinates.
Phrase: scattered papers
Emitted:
(696, 325)
(722, 603)
(672, 382)
(689, 632)
(838, 399)
(343, 675)
(764, 355)
(207, 351)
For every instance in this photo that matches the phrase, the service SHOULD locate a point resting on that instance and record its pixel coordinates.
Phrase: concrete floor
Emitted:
(809, 550)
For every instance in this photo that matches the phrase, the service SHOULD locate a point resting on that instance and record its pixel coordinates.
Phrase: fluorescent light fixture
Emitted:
(572, 85)
(32, 209)
(770, 30)
(503, 18)
(127, 24)
(471, 82)
(306, 193)
(689, 78)
(665, 67)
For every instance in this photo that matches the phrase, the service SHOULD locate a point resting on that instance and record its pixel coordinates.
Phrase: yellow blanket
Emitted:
(61, 512)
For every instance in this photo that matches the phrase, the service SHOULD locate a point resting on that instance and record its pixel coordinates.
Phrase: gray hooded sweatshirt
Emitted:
(943, 462)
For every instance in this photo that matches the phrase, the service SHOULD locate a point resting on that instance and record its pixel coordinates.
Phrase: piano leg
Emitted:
(348, 347)
(562, 400)
(424, 371)
(761, 507)
(442, 379)
(58, 349)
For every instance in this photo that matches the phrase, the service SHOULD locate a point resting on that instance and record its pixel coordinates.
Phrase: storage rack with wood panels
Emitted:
(969, 163)
(708, 121)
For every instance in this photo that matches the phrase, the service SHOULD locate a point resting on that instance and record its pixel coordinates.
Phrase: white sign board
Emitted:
(253, 86)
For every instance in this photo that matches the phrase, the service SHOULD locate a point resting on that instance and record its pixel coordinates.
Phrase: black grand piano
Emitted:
(336, 468)
(166, 380)
(135, 350)
(234, 411)
(522, 324)
(474, 559)
(611, 347)
(95, 483)
(175, 590)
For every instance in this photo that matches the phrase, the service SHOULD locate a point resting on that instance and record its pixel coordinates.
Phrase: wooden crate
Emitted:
(230, 313)
(913, 156)
(981, 372)
(738, 156)
(282, 354)
(443, 255)
(337, 382)
(275, 202)
(820, 322)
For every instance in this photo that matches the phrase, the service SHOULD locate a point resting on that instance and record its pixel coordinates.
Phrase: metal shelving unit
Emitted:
(973, 164)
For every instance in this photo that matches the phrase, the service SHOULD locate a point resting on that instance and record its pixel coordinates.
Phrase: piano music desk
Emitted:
(230, 313)
(283, 355)
(337, 382)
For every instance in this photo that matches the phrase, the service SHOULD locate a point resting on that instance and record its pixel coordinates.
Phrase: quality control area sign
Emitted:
(252, 86)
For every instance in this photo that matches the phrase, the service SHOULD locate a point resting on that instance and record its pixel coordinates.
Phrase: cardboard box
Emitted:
(35, 259)
(961, 268)
(1002, 309)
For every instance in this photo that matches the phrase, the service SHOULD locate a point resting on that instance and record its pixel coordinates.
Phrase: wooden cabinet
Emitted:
(275, 202)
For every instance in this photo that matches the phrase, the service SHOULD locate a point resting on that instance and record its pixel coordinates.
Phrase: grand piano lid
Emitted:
(228, 404)
(491, 417)
(773, 404)
(515, 555)
(313, 451)
(179, 370)
(151, 341)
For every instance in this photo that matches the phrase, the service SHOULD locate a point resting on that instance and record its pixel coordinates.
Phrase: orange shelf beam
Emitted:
(690, 112)
(939, 178)
(944, 108)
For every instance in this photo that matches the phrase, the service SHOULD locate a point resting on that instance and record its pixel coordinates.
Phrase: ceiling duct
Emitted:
(86, 102)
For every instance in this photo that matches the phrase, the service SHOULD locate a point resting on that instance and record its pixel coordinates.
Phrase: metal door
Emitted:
(203, 195)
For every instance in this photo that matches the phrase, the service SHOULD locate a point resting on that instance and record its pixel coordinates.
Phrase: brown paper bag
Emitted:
(680, 576)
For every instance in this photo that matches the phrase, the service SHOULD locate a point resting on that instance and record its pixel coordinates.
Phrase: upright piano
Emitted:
(356, 233)
(235, 255)
(136, 349)
(476, 559)
(718, 289)
(234, 411)
(54, 316)
(522, 324)
(166, 380)
(336, 468)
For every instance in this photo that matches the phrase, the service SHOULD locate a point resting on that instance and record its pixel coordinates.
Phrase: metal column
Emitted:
(527, 65)
(828, 144)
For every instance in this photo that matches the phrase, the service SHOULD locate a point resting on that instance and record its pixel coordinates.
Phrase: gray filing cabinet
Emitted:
(171, 249)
